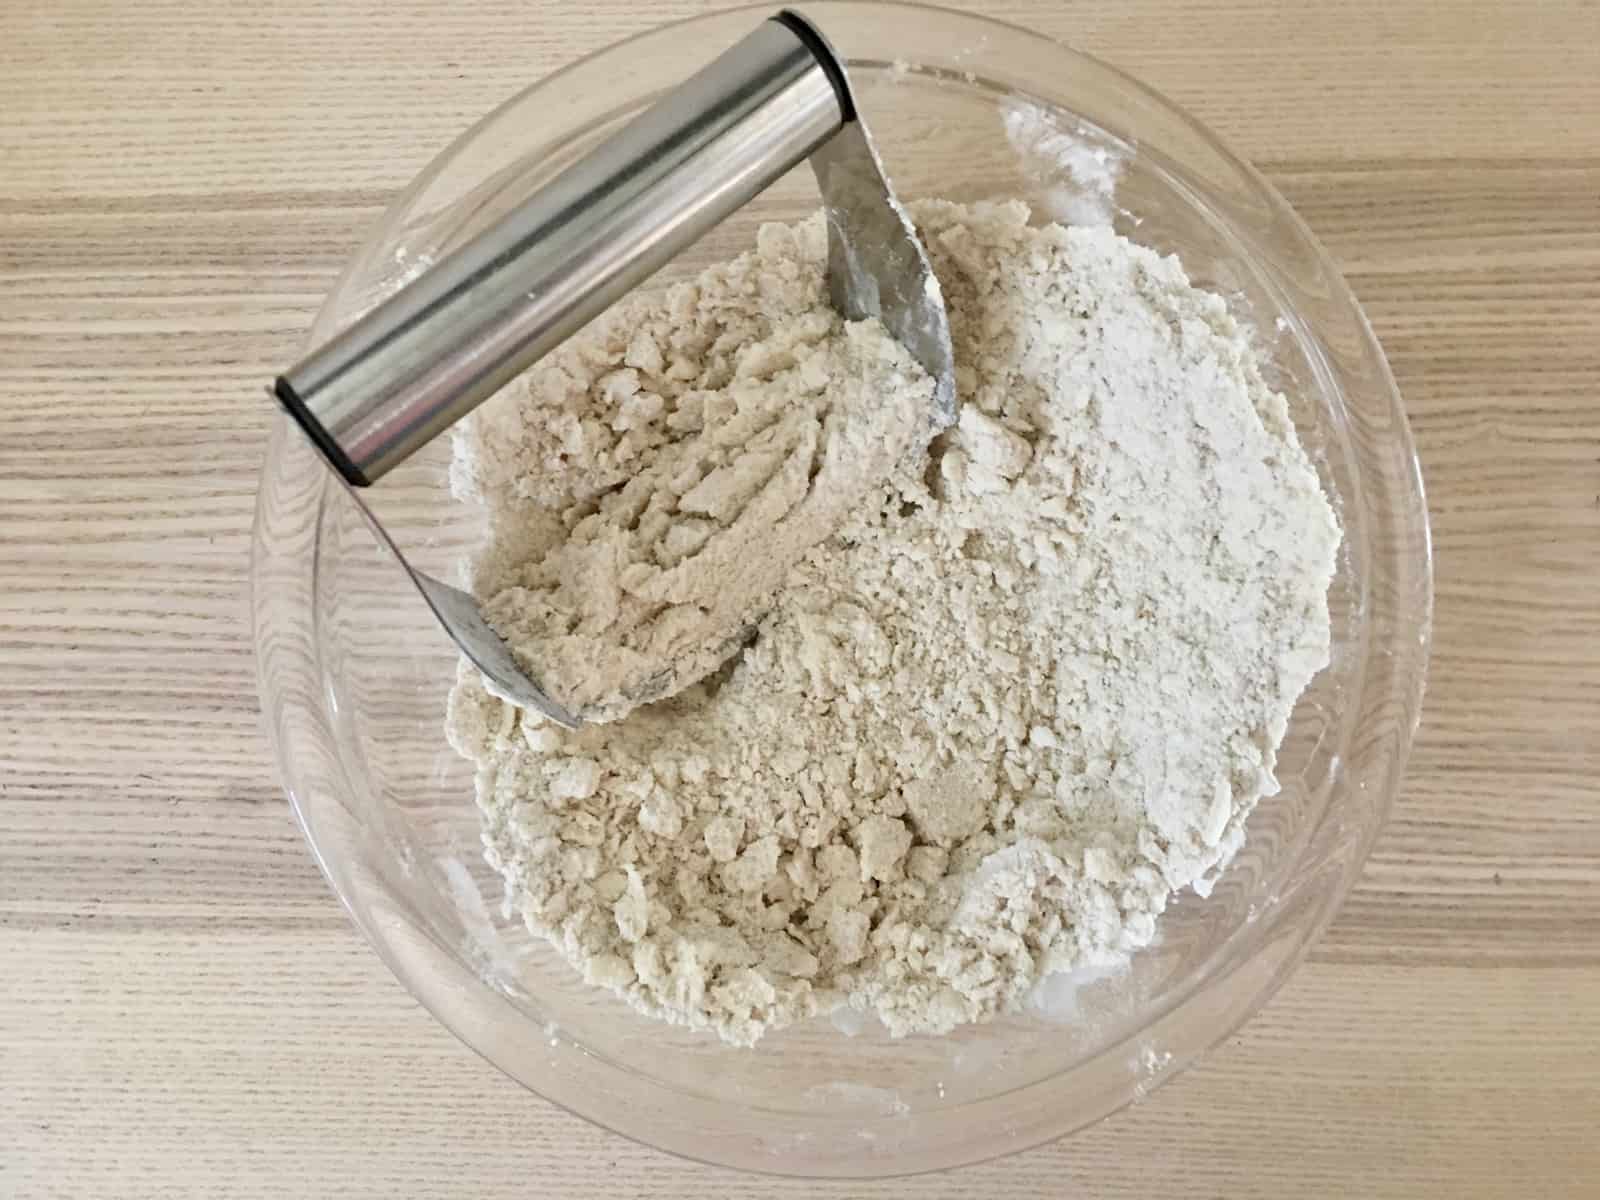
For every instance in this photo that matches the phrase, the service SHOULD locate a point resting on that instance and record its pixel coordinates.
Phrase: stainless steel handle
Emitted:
(450, 339)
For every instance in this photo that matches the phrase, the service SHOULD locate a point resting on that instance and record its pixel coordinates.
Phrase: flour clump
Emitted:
(1027, 686)
(692, 447)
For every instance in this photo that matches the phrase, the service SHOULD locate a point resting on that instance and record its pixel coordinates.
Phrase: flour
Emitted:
(1029, 687)
(1075, 172)
(694, 447)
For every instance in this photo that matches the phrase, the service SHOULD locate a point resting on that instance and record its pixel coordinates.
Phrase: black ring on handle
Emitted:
(296, 408)
(826, 58)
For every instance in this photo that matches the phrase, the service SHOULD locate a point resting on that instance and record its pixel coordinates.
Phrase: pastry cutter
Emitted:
(452, 337)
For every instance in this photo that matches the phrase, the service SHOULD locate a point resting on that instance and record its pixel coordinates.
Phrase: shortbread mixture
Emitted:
(1028, 687)
(694, 448)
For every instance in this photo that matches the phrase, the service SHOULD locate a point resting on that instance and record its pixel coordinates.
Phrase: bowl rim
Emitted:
(438, 986)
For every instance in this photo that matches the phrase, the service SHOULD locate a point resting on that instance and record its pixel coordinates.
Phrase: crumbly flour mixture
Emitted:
(694, 448)
(1029, 686)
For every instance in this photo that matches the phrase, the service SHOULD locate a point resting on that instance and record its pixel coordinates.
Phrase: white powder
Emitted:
(1075, 172)
(1026, 691)
(694, 446)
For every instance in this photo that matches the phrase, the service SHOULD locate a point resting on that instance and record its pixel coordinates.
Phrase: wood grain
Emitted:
(184, 1009)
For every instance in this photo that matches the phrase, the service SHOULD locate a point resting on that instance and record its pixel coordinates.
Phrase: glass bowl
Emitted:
(354, 674)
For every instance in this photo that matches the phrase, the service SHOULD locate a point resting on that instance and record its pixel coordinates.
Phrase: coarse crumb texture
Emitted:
(1023, 694)
(693, 446)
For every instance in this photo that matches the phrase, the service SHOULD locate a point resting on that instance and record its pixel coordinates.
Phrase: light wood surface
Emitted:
(184, 1009)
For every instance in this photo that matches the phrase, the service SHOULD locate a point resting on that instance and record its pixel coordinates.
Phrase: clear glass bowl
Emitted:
(354, 674)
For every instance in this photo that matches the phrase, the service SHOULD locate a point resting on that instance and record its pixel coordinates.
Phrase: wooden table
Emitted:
(184, 1009)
